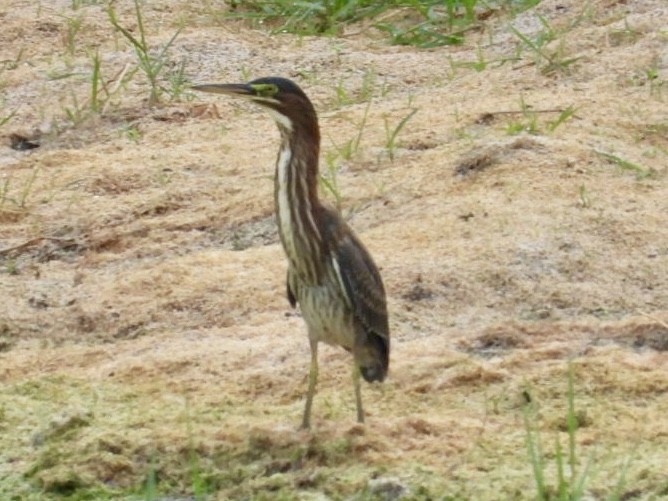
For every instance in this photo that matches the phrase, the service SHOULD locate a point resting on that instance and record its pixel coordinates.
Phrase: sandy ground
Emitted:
(144, 330)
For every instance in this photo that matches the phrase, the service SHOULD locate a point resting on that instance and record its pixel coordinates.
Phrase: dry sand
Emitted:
(144, 329)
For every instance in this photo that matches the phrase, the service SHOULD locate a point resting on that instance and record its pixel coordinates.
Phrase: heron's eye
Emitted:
(265, 90)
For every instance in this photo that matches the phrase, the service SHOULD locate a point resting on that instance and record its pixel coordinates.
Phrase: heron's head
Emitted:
(286, 102)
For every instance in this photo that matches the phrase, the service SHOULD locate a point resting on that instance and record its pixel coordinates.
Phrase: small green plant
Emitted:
(4, 190)
(12, 64)
(151, 483)
(529, 124)
(27, 188)
(425, 23)
(392, 133)
(535, 456)
(351, 146)
(11, 268)
(151, 62)
(75, 112)
(480, 64)
(342, 96)
(563, 117)
(100, 94)
(530, 116)
(368, 86)
(344, 151)
(571, 475)
(640, 171)
(316, 17)
(20, 201)
(626, 35)
(585, 199)
(569, 486)
(514, 128)
(549, 61)
(178, 82)
(656, 84)
(73, 26)
(199, 488)
(423, 35)
(96, 79)
(364, 94)
(654, 134)
(443, 23)
(131, 132)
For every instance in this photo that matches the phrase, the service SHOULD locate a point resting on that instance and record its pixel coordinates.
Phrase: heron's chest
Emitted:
(326, 314)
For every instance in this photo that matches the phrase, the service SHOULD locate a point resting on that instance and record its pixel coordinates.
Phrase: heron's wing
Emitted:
(363, 285)
(359, 277)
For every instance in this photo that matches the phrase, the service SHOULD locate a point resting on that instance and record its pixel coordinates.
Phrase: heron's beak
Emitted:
(229, 89)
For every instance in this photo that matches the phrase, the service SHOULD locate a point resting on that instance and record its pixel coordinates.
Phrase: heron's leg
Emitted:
(358, 393)
(312, 380)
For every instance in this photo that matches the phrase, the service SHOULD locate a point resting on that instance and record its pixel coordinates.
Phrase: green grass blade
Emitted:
(571, 423)
(129, 36)
(641, 172)
(151, 485)
(95, 81)
(7, 118)
(531, 44)
(140, 24)
(621, 482)
(562, 484)
(535, 456)
(401, 125)
(358, 139)
(563, 117)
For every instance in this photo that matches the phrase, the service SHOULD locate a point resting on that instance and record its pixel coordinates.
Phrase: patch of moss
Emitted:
(48, 458)
(66, 425)
(61, 480)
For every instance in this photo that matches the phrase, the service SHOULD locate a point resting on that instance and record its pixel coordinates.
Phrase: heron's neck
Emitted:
(297, 205)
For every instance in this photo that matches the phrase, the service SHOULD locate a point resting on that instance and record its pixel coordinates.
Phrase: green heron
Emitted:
(330, 273)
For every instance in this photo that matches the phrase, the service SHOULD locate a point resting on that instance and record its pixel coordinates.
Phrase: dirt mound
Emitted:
(518, 218)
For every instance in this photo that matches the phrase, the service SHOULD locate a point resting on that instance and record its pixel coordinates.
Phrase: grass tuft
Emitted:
(563, 117)
(418, 23)
(150, 62)
(571, 476)
(570, 483)
(306, 18)
(151, 484)
(20, 200)
(392, 133)
(548, 60)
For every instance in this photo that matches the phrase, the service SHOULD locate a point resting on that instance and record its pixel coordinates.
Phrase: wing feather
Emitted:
(363, 285)
(357, 275)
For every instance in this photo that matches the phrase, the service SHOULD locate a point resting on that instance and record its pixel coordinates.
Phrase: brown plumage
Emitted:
(330, 273)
